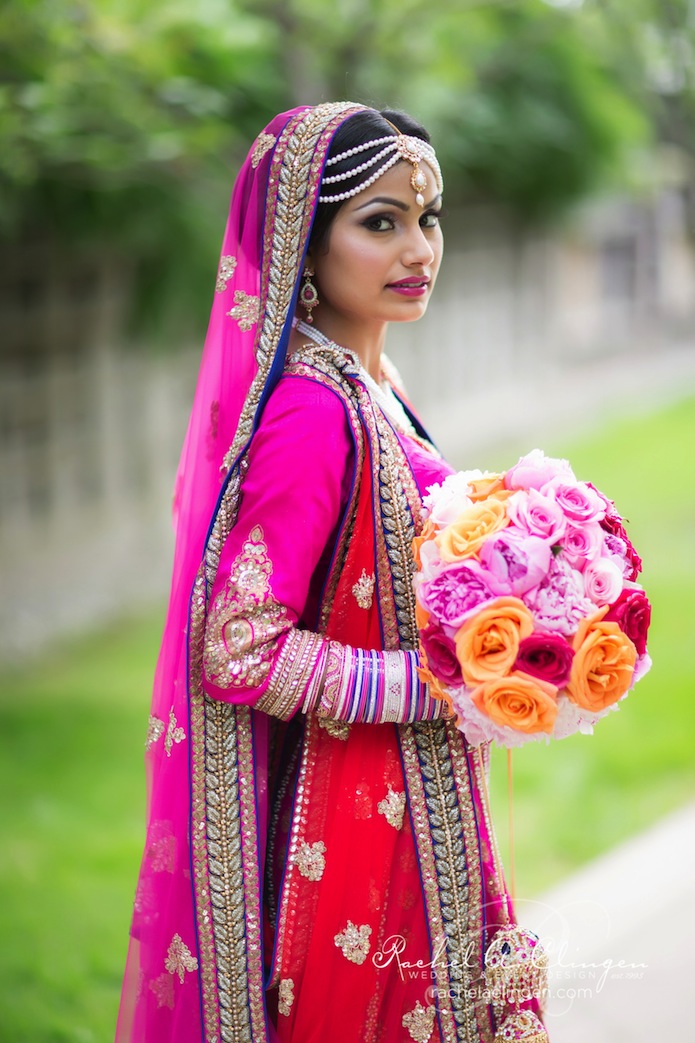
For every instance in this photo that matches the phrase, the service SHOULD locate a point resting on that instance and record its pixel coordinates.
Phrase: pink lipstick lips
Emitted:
(412, 287)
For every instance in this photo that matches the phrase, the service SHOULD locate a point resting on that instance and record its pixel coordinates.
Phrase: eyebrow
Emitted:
(386, 200)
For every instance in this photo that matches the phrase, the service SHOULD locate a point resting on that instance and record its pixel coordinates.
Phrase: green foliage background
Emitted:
(122, 121)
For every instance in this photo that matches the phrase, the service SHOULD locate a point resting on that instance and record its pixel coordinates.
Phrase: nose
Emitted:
(418, 249)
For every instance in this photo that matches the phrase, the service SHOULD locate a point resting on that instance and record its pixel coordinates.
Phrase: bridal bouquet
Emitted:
(532, 624)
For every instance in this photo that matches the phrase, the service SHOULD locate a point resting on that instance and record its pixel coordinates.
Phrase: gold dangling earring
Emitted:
(308, 295)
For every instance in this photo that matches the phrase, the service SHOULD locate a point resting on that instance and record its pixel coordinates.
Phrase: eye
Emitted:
(430, 219)
(379, 223)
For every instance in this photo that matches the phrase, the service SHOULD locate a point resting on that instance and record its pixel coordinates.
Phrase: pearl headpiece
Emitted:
(395, 148)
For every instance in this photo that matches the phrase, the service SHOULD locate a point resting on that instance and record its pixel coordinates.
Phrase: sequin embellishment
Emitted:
(227, 268)
(310, 860)
(173, 735)
(354, 942)
(246, 310)
(338, 729)
(264, 143)
(285, 996)
(363, 590)
(179, 958)
(392, 807)
(419, 1022)
(155, 730)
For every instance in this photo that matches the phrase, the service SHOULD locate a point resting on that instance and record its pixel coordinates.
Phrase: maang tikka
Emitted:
(308, 295)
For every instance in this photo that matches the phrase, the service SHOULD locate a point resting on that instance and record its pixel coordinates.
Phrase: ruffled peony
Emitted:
(535, 469)
(456, 591)
(514, 562)
(558, 603)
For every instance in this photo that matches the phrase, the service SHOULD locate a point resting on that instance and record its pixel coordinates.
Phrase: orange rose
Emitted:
(487, 644)
(603, 664)
(519, 701)
(489, 484)
(467, 534)
(421, 615)
(425, 535)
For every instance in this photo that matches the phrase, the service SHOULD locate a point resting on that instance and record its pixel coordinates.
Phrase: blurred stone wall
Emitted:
(90, 429)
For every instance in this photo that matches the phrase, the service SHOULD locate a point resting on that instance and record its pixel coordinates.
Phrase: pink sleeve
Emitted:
(299, 469)
(259, 648)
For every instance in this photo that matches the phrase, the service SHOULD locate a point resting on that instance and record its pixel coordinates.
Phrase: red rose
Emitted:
(613, 524)
(632, 612)
(547, 657)
(441, 655)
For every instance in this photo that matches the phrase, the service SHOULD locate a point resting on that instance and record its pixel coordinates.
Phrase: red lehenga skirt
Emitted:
(353, 957)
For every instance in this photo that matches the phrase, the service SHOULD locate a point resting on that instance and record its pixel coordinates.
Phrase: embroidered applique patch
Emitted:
(310, 860)
(419, 1022)
(246, 310)
(338, 729)
(173, 735)
(285, 996)
(363, 590)
(179, 958)
(226, 271)
(392, 807)
(354, 942)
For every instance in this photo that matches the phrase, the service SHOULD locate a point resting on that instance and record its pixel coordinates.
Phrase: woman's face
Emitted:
(382, 257)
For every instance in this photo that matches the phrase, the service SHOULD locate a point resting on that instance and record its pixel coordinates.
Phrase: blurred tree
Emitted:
(122, 121)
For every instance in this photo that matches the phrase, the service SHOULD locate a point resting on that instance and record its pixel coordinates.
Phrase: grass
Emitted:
(72, 780)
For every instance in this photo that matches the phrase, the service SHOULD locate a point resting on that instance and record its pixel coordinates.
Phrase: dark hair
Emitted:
(358, 129)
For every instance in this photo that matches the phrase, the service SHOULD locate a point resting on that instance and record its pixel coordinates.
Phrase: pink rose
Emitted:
(613, 524)
(515, 562)
(603, 581)
(441, 655)
(535, 469)
(455, 592)
(537, 514)
(546, 656)
(632, 612)
(581, 544)
(578, 500)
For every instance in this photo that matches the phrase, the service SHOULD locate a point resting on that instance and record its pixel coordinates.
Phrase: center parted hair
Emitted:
(366, 126)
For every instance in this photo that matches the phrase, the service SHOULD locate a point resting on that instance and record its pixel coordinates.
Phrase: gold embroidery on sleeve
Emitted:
(155, 730)
(244, 620)
(179, 958)
(363, 590)
(246, 310)
(354, 942)
(419, 1022)
(227, 268)
(310, 860)
(264, 142)
(285, 996)
(392, 807)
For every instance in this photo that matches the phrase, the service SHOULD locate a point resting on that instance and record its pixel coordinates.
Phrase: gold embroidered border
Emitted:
(419, 811)
(292, 883)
